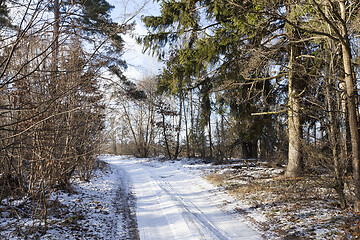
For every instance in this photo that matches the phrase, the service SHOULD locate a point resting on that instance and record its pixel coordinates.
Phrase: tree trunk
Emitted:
(56, 32)
(351, 92)
(186, 111)
(192, 127)
(295, 160)
(55, 48)
(334, 134)
(210, 137)
(177, 146)
(165, 136)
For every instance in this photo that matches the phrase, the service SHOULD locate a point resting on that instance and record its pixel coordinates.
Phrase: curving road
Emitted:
(174, 204)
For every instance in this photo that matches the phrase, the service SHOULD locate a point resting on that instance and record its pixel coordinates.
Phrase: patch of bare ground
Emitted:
(298, 208)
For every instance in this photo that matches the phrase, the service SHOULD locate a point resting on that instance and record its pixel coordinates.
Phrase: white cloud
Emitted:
(140, 64)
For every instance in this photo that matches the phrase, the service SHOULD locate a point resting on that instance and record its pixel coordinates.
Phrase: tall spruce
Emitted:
(223, 41)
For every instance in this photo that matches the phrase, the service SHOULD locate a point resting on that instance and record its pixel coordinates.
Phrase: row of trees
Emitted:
(262, 73)
(52, 56)
(152, 123)
(155, 124)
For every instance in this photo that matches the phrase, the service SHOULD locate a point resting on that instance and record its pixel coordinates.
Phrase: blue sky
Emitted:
(139, 65)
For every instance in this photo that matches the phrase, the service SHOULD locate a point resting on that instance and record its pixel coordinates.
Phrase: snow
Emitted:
(91, 212)
(158, 199)
(95, 208)
(173, 203)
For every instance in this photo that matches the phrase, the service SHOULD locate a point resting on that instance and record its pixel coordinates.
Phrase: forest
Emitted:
(274, 80)
(53, 57)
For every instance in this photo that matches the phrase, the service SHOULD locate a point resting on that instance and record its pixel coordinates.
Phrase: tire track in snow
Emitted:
(190, 210)
(124, 204)
(173, 204)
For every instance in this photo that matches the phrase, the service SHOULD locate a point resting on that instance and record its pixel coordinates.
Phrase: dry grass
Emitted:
(216, 179)
(298, 208)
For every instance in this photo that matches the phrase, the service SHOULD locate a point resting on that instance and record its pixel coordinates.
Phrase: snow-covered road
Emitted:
(172, 203)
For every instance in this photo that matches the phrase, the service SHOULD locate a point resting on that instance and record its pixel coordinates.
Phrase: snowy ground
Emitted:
(175, 204)
(152, 199)
(281, 208)
(100, 209)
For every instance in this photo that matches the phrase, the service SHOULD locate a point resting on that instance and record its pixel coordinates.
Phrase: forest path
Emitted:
(174, 204)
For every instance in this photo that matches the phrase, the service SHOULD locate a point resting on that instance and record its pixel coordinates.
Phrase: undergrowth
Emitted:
(295, 208)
